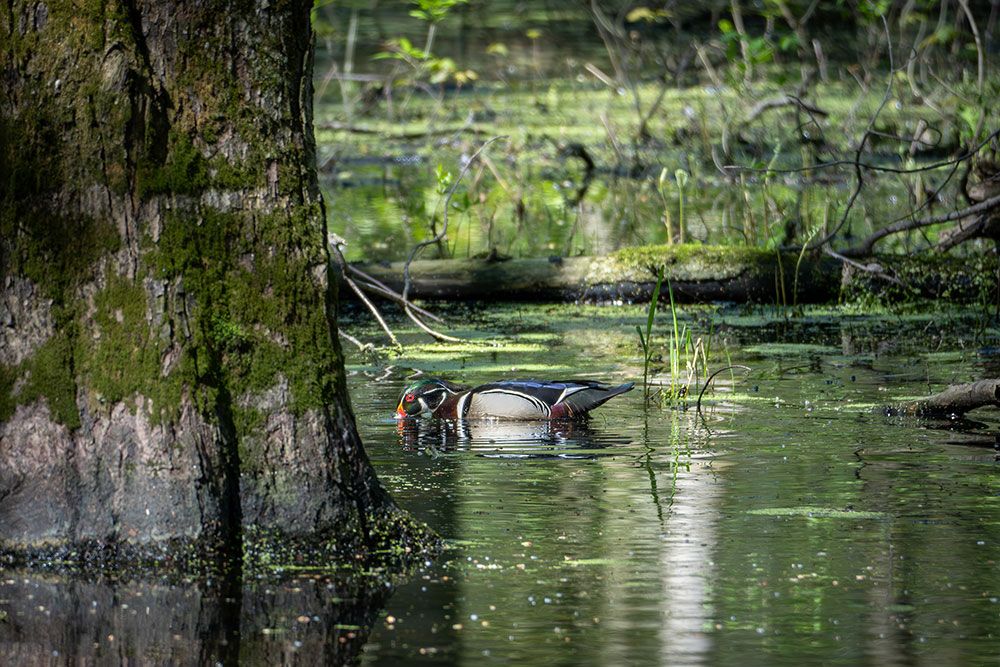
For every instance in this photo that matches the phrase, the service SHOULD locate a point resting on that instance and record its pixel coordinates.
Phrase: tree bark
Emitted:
(954, 401)
(696, 273)
(171, 381)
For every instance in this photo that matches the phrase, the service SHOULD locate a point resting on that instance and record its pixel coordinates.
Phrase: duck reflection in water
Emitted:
(507, 439)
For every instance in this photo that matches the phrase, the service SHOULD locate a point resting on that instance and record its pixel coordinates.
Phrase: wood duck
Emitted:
(507, 399)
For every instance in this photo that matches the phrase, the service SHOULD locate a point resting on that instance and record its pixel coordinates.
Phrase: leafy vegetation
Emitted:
(743, 121)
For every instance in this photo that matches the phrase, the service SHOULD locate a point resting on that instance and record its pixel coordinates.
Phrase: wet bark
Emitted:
(171, 382)
(696, 274)
(953, 402)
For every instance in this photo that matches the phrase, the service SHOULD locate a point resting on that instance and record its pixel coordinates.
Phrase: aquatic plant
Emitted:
(682, 180)
(687, 356)
(661, 188)
(646, 340)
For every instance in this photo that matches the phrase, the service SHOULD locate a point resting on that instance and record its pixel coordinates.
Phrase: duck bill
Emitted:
(400, 412)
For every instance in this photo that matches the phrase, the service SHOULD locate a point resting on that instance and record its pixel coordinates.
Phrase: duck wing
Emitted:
(579, 400)
(535, 399)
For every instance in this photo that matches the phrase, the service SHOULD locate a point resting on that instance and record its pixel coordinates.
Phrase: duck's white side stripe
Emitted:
(424, 408)
(462, 402)
(539, 404)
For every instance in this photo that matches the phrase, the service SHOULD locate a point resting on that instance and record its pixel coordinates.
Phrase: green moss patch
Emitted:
(46, 374)
(944, 279)
(820, 513)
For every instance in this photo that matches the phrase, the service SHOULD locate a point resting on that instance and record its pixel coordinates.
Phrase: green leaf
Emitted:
(788, 42)
(644, 14)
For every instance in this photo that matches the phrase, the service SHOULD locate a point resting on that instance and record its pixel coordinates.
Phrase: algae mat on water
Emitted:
(812, 512)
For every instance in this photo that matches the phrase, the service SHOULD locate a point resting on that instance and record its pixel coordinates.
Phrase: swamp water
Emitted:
(789, 525)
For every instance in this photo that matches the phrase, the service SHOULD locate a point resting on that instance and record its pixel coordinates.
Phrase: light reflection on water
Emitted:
(795, 528)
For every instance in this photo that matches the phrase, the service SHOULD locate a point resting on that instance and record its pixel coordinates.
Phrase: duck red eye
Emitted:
(409, 398)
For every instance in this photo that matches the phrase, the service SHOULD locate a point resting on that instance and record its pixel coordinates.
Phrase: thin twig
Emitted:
(372, 308)
(361, 346)
(374, 284)
(859, 175)
(780, 101)
(437, 239)
(611, 137)
(712, 377)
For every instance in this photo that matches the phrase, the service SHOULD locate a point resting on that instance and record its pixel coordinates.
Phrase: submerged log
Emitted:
(953, 402)
(697, 273)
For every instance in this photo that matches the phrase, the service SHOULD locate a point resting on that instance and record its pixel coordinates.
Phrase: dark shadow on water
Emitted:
(969, 432)
(508, 439)
(314, 617)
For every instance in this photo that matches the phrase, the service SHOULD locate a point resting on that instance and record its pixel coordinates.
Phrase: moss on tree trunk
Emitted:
(170, 373)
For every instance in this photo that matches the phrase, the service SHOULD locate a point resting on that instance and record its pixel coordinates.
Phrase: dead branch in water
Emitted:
(953, 402)
(361, 282)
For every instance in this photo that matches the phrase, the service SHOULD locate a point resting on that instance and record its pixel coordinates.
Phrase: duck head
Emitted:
(424, 397)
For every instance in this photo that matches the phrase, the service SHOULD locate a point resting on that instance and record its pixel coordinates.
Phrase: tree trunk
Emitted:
(171, 381)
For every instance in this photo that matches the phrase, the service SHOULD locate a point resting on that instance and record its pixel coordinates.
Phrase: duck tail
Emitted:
(581, 402)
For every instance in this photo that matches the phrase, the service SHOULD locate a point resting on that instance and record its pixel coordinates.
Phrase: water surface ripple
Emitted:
(788, 524)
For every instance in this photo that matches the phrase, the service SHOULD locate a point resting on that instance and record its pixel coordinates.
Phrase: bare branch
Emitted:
(780, 101)
(467, 127)
(426, 329)
(955, 400)
(361, 346)
(869, 166)
(437, 239)
(859, 175)
(906, 225)
(380, 288)
(960, 233)
(873, 268)
(371, 306)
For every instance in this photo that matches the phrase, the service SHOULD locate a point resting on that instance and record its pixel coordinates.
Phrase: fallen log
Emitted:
(697, 273)
(953, 402)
